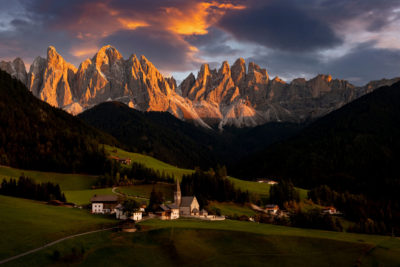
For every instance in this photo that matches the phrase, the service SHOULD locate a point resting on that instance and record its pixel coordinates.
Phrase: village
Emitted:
(181, 207)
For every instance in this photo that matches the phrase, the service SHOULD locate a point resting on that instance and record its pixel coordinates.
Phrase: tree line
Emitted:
(212, 185)
(373, 216)
(26, 187)
(136, 172)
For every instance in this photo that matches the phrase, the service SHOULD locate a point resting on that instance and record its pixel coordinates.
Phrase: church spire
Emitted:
(177, 194)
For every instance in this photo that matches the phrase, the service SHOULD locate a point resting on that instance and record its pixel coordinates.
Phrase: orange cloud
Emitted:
(132, 24)
(196, 19)
(84, 52)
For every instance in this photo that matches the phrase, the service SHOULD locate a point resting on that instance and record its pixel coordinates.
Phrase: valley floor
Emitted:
(202, 243)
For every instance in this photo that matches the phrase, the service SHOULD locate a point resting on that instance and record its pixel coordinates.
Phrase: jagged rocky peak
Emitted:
(107, 55)
(225, 69)
(171, 82)
(16, 69)
(187, 84)
(254, 69)
(299, 81)
(55, 60)
(278, 80)
(237, 95)
(238, 71)
(204, 72)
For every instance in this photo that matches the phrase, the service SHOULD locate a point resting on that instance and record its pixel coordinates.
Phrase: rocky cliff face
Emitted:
(15, 68)
(232, 95)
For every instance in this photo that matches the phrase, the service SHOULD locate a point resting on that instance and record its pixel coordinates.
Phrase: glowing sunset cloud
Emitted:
(132, 24)
(290, 38)
(85, 52)
(197, 19)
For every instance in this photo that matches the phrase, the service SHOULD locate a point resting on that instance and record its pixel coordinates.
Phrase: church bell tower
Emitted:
(177, 194)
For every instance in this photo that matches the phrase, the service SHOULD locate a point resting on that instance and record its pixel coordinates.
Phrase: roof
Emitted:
(172, 206)
(203, 211)
(186, 201)
(119, 207)
(104, 198)
(163, 207)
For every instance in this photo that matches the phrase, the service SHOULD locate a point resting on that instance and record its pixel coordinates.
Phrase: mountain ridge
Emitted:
(237, 95)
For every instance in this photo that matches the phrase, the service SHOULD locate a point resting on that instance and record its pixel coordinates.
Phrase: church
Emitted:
(188, 206)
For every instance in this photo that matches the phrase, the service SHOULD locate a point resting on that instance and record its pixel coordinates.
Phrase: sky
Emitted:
(356, 40)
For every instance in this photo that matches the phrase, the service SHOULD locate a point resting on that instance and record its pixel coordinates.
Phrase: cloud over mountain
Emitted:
(179, 35)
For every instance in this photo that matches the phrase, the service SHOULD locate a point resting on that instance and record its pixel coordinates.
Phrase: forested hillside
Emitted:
(34, 135)
(355, 148)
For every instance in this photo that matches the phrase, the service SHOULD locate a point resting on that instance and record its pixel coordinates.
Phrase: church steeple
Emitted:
(177, 194)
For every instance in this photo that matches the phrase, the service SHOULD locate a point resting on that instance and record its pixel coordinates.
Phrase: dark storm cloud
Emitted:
(280, 25)
(366, 63)
(294, 25)
(288, 37)
(361, 65)
(214, 43)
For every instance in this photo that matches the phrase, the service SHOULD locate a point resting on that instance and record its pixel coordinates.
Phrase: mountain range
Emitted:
(239, 95)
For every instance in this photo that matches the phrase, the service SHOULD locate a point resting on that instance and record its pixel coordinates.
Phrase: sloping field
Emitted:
(227, 243)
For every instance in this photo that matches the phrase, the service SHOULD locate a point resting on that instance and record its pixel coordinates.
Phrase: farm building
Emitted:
(125, 161)
(267, 181)
(121, 214)
(104, 204)
(329, 210)
(272, 209)
(168, 212)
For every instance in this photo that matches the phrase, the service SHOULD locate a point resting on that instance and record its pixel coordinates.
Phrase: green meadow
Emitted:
(66, 181)
(225, 243)
(259, 189)
(231, 209)
(27, 224)
(148, 161)
(144, 191)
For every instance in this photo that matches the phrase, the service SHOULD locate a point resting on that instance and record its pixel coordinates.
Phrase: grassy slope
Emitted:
(75, 186)
(188, 242)
(260, 189)
(231, 209)
(66, 181)
(149, 162)
(27, 224)
(143, 191)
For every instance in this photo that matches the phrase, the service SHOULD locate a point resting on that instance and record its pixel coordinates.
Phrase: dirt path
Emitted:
(51, 244)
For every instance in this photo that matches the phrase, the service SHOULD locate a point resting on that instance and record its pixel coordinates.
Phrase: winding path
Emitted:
(51, 244)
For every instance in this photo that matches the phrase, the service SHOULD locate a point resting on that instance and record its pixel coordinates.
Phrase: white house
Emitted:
(120, 214)
(104, 204)
(168, 212)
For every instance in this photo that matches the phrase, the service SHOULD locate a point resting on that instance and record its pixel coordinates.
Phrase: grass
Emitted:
(261, 190)
(27, 224)
(82, 197)
(231, 209)
(66, 181)
(143, 191)
(226, 243)
(149, 162)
